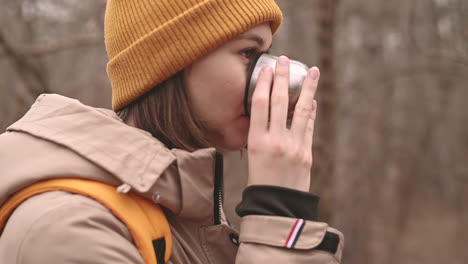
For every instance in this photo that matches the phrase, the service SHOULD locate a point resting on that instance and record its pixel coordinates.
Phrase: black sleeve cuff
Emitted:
(278, 201)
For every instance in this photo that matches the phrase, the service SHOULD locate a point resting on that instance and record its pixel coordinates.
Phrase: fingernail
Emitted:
(283, 60)
(267, 68)
(314, 73)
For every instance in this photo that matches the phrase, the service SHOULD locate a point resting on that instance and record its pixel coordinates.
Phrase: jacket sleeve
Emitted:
(58, 227)
(279, 225)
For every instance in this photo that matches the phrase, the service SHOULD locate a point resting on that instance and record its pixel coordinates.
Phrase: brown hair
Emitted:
(166, 113)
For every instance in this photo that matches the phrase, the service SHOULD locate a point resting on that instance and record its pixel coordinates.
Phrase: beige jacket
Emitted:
(60, 137)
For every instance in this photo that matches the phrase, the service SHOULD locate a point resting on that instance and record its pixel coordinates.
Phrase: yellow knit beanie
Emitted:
(148, 41)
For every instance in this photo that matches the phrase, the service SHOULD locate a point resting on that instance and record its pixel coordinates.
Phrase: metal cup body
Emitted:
(297, 73)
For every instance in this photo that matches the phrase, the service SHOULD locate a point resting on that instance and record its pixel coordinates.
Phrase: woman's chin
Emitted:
(236, 139)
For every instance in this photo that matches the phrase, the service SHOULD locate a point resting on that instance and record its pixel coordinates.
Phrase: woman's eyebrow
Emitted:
(260, 41)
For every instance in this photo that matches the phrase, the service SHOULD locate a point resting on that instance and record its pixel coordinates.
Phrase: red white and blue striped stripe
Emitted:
(295, 233)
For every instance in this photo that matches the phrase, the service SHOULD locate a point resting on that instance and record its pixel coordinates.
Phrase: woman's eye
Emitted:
(249, 53)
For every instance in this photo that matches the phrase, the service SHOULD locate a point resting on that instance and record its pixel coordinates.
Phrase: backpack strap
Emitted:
(145, 220)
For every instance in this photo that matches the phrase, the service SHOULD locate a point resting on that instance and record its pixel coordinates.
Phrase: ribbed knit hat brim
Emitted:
(149, 41)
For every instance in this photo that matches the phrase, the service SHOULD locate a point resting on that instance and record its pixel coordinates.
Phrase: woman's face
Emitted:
(216, 87)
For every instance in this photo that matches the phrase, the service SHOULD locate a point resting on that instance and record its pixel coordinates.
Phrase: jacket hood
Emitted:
(61, 137)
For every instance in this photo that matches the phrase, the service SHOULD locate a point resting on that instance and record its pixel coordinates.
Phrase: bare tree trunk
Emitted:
(402, 132)
(327, 97)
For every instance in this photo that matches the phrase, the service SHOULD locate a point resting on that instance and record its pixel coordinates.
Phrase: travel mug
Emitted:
(297, 74)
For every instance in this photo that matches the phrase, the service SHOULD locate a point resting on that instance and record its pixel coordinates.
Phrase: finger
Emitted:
(279, 95)
(309, 130)
(260, 101)
(304, 106)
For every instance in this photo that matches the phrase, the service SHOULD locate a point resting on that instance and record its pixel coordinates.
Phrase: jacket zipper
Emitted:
(218, 188)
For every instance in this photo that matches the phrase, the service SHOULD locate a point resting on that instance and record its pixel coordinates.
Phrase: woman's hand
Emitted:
(277, 155)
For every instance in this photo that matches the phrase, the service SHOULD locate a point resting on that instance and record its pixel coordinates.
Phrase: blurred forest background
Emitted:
(391, 147)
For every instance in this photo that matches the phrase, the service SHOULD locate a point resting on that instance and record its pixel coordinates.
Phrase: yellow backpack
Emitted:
(146, 221)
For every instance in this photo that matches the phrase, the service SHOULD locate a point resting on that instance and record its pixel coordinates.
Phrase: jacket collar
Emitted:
(180, 180)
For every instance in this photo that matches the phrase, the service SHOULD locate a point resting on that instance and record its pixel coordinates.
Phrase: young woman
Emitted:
(178, 71)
